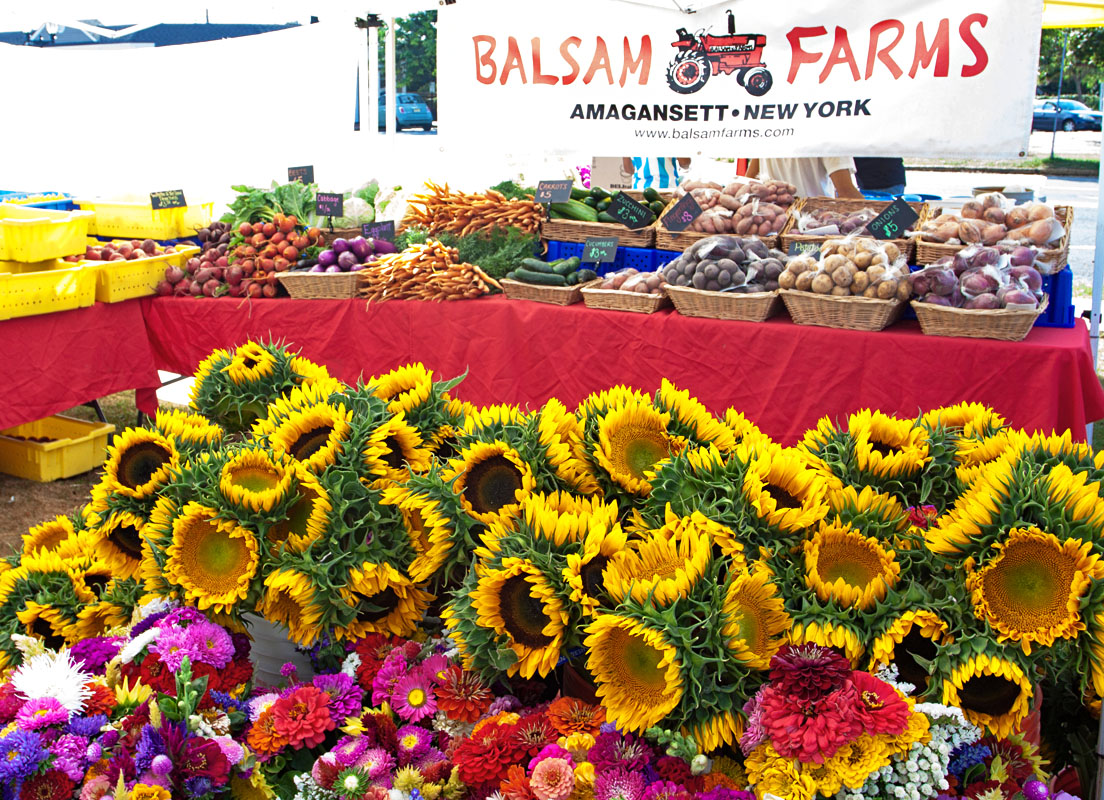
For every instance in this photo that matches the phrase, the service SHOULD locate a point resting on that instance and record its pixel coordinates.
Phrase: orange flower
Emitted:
(570, 715)
(714, 779)
(515, 786)
(102, 700)
(263, 737)
(462, 696)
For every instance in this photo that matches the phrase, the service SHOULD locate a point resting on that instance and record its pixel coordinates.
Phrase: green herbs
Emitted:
(261, 205)
(496, 252)
(514, 192)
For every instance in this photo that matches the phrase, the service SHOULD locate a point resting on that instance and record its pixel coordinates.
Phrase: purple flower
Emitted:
(349, 749)
(197, 787)
(161, 765)
(662, 790)
(434, 665)
(619, 750)
(288, 670)
(241, 645)
(377, 763)
(92, 655)
(412, 743)
(144, 625)
(87, 726)
(20, 754)
(70, 754)
(42, 712)
(505, 703)
(618, 784)
(150, 745)
(171, 646)
(110, 738)
(183, 617)
(384, 683)
(209, 643)
(551, 751)
(345, 695)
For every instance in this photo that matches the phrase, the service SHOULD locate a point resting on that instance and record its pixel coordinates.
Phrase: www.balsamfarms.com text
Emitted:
(716, 112)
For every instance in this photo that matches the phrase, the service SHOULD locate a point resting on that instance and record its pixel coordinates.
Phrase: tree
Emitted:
(415, 51)
(1084, 62)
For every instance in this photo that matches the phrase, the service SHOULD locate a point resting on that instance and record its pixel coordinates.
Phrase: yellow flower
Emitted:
(913, 633)
(289, 600)
(491, 479)
(46, 622)
(48, 535)
(1031, 592)
(139, 463)
(144, 791)
(850, 569)
(584, 573)
(395, 449)
(689, 412)
(187, 427)
(306, 373)
(953, 533)
(117, 540)
(637, 672)
(314, 436)
(385, 601)
(430, 531)
(250, 363)
(784, 491)
(856, 760)
(1078, 497)
(886, 447)
(212, 560)
(724, 728)
(631, 440)
(96, 619)
(836, 635)
(251, 479)
(307, 518)
(663, 567)
(755, 619)
(993, 693)
(744, 430)
(561, 435)
(405, 388)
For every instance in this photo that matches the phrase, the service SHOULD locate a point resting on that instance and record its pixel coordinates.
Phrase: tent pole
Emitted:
(389, 74)
(373, 82)
(1058, 100)
(1098, 278)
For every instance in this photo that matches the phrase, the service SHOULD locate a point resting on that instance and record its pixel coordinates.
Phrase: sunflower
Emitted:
(47, 622)
(872, 512)
(663, 567)
(289, 600)
(307, 517)
(491, 479)
(743, 429)
(979, 506)
(429, 529)
(385, 601)
(636, 670)
(213, 560)
(691, 419)
(395, 449)
(139, 463)
(96, 619)
(584, 573)
(48, 535)
(716, 730)
(755, 619)
(993, 692)
(886, 447)
(1079, 499)
(850, 569)
(1031, 592)
(561, 437)
(187, 428)
(117, 540)
(973, 455)
(972, 419)
(911, 634)
(405, 388)
(517, 602)
(314, 436)
(631, 440)
(784, 492)
(204, 375)
(834, 634)
(250, 363)
(253, 480)
(94, 574)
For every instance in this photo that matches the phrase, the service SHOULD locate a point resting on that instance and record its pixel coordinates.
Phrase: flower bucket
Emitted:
(271, 649)
(577, 685)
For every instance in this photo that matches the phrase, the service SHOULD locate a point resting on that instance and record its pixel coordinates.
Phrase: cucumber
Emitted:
(567, 266)
(572, 279)
(579, 193)
(544, 278)
(591, 201)
(511, 275)
(652, 196)
(573, 209)
(604, 217)
(599, 193)
(586, 275)
(656, 207)
(604, 204)
(535, 265)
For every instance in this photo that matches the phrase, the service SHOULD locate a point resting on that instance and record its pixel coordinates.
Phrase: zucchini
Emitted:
(604, 204)
(604, 217)
(591, 201)
(652, 196)
(573, 209)
(599, 193)
(571, 279)
(535, 265)
(656, 207)
(587, 275)
(544, 278)
(511, 275)
(579, 193)
(567, 266)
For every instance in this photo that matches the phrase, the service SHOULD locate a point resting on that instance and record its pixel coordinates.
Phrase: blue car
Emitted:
(1071, 114)
(411, 111)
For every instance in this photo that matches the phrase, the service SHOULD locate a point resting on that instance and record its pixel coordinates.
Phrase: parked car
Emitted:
(411, 111)
(1072, 115)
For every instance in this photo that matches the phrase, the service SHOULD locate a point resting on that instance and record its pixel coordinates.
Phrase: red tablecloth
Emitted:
(782, 376)
(56, 361)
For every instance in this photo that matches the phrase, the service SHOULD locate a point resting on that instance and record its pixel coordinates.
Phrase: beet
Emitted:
(235, 290)
(234, 275)
(196, 289)
(986, 300)
(203, 275)
(149, 246)
(174, 274)
(210, 287)
(164, 288)
(254, 290)
(268, 290)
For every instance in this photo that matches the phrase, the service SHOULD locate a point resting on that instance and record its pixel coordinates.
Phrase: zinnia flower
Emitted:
(412, 698)
(553, 779)
(203, 758)
(881, 709)
(808, 672)
(619, 784)
(412, 743)
(42, 712)
(570, 715)
(53, 784)
(810, 732)
(462, 695)
(613, 749)
(345, 695)
(303, 716)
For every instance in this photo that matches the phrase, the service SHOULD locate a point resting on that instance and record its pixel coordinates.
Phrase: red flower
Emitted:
(484, 757)
(810, 732)
(303, 716)
(157, 676)
(373, 650)
(203, 758)
(102, 700)
(53, 784)
(808, 671)
(880, 708)
(462, 695)
(435, 771)
(10, 703)
(673, 769)
(515, 786)
(530, 734)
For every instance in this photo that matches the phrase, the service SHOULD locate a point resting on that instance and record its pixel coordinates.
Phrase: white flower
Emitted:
(701, 764)
(138, 644)
(351, 663)
(155, 606)
(53, 675)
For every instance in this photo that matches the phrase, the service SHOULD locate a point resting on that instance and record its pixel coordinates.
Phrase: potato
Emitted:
(742, 226)
(766, 229)
(860, 282)
(822, 283)
(879, 259)
(829, 248)
(972, 209)
(903, 290)
(862, 260)
(875, 272)
(843, 276)
(870, 291)
(832, 263)
(804, 281)
(840, 291)
(787, 280)
(892, 251)
(887, 289)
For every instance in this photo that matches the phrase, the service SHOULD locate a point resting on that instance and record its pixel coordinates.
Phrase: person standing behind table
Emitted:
(813, 177)
(884, 175)
(654, 173)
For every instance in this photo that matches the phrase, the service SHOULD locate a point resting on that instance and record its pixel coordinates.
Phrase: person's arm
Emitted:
(627, 165)
(683, 162)
(845, 187)
(753, 169)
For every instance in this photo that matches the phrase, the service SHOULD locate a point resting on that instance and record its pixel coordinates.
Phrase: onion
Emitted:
(361, 248)
(346, 261)
(333, 268)
(327, 258)
(340, 245)
(317, 268)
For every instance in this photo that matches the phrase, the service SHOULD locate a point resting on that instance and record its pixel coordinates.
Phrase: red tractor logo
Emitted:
(701, 55)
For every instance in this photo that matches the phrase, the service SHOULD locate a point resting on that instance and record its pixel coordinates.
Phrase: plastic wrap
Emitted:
(850, 267)
(981, 278)
(633, 280)
(726, 264)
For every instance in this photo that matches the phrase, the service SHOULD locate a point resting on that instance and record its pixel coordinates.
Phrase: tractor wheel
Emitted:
(758, 82)
(688, 72)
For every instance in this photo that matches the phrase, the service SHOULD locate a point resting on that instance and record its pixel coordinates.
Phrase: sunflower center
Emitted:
(914, 644)
(419, 535)
(635, 449)
(782, 498)
(45, 631)
(882, 448)
(523, 614)
(95, 582)
(446, 448)
(748, 625)
(249, 362)
(492, 483)
(140, 461)
(851, 561)
(394, 455)
(255, 478)
(591, 574)
(385, 602)
(638, 662)
(1029, 586)
(212, 559)
(989, 694)
(127, 539)
(310, 442)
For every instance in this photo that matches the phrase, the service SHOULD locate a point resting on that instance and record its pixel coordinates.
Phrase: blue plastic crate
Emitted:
(642, 259)
(55, 205)
(1060, 312)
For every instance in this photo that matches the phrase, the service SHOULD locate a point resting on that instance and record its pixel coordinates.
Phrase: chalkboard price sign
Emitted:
(628, 212)
(329, 204)
(599, 249)
(805, 249)
(554, 191)
(379, 230)
(892, 223)
(170, 198)
(302, 174)
(684, 212)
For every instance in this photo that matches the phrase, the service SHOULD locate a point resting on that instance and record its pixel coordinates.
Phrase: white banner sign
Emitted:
(817, 78)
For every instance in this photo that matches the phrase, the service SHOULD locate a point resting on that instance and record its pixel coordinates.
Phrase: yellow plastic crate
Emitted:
(31, 293)
(121, 280)
(37, 234)
(34, 266)
(76, 446)
(131, 219)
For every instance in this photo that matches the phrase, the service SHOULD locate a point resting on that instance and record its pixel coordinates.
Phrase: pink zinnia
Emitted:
(552, 779)
(619, 784)
(412, 743)
(42, 712)
(551, 751)
(376, 762)
(434, 666)
(754, 735)
(808, 672)
(389, 674)
(412, 698)
(210, 644)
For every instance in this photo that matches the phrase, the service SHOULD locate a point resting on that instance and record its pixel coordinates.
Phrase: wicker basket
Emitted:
(680, 240)
(320, 285)
(1005, 324)
(557, 295)
(751, 307)
(571, 230)
(1051, 260)
(806, 205)
(616, 300)
(852, 313)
